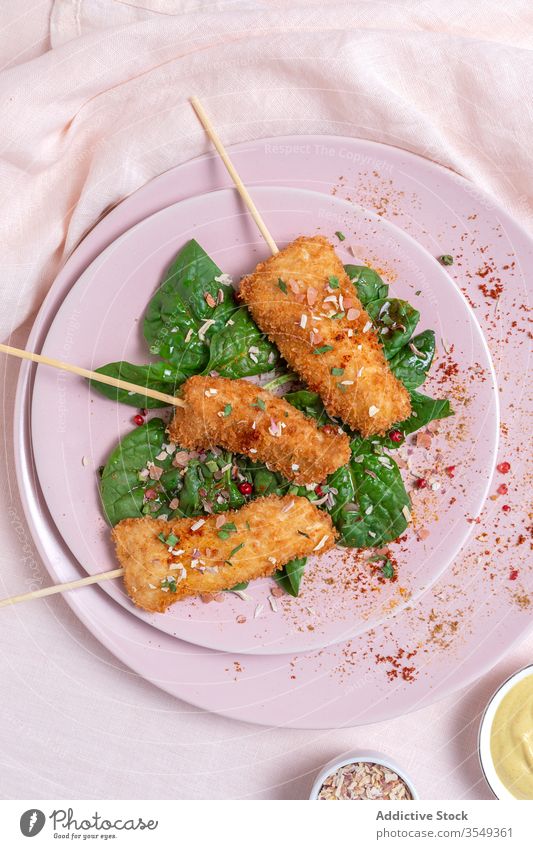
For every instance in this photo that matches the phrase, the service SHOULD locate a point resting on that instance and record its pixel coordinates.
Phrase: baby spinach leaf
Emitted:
(266, 482)
(290, 577)
(310, 403)
(395, 321)
(194, 322)
(175, 320)
(162, 377)
(369, 285)
(368, 509)
(121, 489)
(412, 362)
(209, 482)
(424, 410)
(239, 349)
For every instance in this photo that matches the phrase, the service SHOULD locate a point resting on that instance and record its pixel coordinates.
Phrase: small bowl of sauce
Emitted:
(506, 738)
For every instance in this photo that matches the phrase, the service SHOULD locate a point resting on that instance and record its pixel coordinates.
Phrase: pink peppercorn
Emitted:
(396, 436)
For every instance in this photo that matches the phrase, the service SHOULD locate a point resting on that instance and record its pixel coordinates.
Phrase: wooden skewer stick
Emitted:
(61, 588)
(239, 185)
(124, 384)
(92, 375)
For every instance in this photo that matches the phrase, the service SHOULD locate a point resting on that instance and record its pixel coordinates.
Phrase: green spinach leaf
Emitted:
(370, 501)
(395, 321)
(209, 483)
(163, 377)
(290, 577)
(179, 321)
(369, 285)
(412, 362)
(239, 349)
(121, 488)
(310, 403)
(424, 410)
(194, 322)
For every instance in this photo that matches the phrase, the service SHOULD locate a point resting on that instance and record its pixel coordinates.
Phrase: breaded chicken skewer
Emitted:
(165, 561)
(241, 417)
(305, 302)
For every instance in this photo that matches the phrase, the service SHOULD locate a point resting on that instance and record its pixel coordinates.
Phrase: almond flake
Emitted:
(321, 543)
(224, 279)
(372, 411)
(311, 296)
(205, 327)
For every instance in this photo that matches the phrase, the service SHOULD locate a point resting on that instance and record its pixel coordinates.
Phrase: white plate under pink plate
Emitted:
(100, 321)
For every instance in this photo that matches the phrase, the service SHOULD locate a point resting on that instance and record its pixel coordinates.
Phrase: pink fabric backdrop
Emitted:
(85, 124)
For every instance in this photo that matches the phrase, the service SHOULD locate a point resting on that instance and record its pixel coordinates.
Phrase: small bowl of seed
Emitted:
(363, 776)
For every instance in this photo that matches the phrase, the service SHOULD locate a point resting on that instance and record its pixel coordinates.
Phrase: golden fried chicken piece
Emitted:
(240, 417)
(164, 561)
(306, 304)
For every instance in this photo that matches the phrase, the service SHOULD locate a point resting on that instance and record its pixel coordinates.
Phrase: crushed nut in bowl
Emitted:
(362, 776)
(364, 781)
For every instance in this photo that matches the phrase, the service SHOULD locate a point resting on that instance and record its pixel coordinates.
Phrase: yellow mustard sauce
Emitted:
(511, 740)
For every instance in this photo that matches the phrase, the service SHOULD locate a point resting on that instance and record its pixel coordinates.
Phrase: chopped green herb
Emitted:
(333, 282)
(259, 403)
(282, 285)
(336, 372)
(170, 540)
(418, 291)
(323, 350)
(338, 315)
(237, 587)
(227, 410)
(227, 529)
(232, 553)
(387, 570)
(169, 584)
(341, 387)
(446, 259)
(340, 236)
(303, 534)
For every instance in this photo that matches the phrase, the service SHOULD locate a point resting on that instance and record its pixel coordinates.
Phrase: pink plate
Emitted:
(99, 322)
(481, 605)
